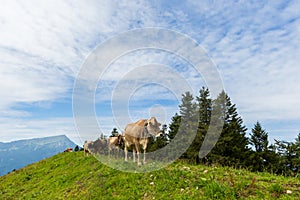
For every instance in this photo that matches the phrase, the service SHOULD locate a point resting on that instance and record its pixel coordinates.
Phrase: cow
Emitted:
(137, 134)
(68, 150)
(115, 143)
(86, 148)
(99, 146)
(94, 147)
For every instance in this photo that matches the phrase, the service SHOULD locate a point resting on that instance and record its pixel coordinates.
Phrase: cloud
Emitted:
(20, 128)
(44, 43)
(42, 47)
(256, 48)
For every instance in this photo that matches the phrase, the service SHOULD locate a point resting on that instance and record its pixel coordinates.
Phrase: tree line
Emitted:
(233, 147)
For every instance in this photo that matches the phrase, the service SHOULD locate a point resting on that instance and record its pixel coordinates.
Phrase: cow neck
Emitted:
(145, 133)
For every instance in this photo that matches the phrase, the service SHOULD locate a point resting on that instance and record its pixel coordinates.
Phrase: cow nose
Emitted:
(158, 134)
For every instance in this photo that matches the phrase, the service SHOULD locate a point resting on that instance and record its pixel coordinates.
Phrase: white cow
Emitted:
(138, 133)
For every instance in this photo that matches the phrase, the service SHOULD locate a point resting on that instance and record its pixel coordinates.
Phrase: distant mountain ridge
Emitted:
(17, 154)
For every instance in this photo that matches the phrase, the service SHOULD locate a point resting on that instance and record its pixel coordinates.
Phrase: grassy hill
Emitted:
(73, 176)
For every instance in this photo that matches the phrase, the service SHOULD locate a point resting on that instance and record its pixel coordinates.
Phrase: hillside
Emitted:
(17, 154)
(73, 176)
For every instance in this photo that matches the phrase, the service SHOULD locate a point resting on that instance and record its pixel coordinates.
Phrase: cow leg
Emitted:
(115, 153)
(133, 154)
(125, 152)
(145, 147)
(138, 153)
(109, 150)
(86, 153)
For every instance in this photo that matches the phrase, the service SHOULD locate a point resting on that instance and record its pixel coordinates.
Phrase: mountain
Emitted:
(17, 154)
(73, 176)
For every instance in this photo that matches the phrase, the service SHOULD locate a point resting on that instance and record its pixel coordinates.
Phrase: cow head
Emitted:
(120, 140)
(153, 127)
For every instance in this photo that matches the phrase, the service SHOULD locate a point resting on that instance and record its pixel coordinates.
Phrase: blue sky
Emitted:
(43, 44)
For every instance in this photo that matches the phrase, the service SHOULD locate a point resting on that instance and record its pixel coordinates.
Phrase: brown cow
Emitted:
(86, 148)
(99, 146)
(138, 133)
(94, 146)
(115, 143)
(68, 150)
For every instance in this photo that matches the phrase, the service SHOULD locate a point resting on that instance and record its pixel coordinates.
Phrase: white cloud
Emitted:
(257, 53)
(18, 128)
(44, 43)
(256, 48)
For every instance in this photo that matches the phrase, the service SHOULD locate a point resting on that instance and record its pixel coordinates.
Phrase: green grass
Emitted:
(73, 176)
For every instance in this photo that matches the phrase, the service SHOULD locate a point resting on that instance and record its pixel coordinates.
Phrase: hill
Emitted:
(17, 154)
(73, 176)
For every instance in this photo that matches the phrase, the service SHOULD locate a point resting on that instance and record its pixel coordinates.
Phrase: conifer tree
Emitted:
(289, 156)
(114, 133)
(171, 136)
(296, 160)
(188, 109)
(189, 123)
(76, 148)
(231, 148)
(159, 142)
(174, 126)
(162, 140)
(204, 109)
(259, 138)
(260, 158)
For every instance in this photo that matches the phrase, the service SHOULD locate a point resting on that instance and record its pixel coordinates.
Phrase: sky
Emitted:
(255, 46)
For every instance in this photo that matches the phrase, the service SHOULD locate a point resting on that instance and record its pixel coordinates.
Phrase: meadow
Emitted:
(73, 176)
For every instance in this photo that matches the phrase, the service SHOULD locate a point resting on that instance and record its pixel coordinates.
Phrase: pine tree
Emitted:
(289, 156)
(188, 109)
(189, 124)
(162, 140)
(174, 127)
(259, 138)
(274, 161)
(204, 108)
(260, 157)
(114, 133)
(102, 136)
(159, 142)
(296, 160)
(172, 140)
(184, 126)
(231, 148)
(76, 148)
